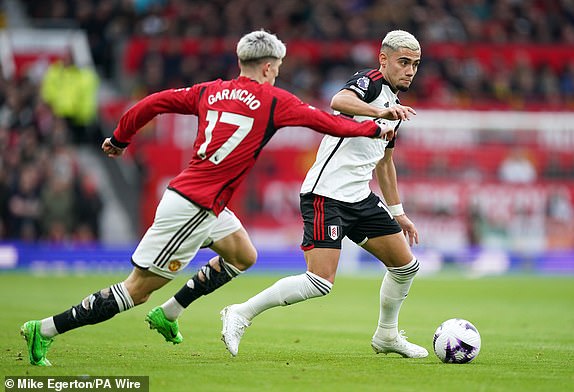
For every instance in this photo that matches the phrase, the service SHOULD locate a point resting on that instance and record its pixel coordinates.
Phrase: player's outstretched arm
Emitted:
(180, 101)
(346, 101)
(291, 111)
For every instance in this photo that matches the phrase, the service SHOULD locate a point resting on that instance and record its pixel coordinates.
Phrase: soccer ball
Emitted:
(456, 341)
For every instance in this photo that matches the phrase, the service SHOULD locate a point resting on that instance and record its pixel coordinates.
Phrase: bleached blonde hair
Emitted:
(398, 39)
(259, 45)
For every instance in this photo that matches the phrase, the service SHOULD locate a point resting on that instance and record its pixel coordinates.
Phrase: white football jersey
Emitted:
(344, 167)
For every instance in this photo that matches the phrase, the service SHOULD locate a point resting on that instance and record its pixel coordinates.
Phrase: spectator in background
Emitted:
(58, 195)
(57, 209)
(35, 158)
(24, 205)
(153, 79)
(88, 207)
(71, 93)
(16, 111)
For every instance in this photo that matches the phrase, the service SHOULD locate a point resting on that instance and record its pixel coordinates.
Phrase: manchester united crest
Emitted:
(174, 265)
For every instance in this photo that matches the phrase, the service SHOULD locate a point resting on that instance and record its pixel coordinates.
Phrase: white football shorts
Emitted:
(179, 229)
(227, 223)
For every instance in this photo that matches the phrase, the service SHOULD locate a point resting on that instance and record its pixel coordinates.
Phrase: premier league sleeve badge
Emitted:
(363, 83)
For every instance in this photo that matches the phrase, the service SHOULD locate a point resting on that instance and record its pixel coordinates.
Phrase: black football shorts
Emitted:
(326, 221)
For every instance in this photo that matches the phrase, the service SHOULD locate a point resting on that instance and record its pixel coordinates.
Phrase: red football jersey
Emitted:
(236, 119)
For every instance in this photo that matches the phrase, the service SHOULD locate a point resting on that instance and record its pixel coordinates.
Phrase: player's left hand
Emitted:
(110, 150)
(409, 229)
(398, 112)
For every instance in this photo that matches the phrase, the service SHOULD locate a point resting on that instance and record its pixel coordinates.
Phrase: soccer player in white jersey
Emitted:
(336, 201)
(236, 119)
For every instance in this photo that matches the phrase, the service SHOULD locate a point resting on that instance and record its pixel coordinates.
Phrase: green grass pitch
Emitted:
(526, 324)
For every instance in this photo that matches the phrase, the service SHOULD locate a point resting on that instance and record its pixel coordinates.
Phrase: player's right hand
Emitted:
(110, 150)
(409, 229)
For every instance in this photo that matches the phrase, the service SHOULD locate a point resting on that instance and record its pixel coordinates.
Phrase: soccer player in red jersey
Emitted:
(236, 119)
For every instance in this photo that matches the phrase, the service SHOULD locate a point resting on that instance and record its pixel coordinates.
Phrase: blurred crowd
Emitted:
(488, 21)
(446, 81)
(44, 194)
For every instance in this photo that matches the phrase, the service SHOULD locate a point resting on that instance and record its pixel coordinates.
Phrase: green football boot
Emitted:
(38, 345)
(168, 329)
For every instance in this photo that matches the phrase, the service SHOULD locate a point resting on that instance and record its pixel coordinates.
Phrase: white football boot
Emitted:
(233, 329)
(398, 345)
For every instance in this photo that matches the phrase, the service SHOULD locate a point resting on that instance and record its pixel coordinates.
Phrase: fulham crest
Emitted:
(334, 232)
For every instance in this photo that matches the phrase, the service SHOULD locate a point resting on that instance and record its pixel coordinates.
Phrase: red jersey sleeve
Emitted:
(183, 101)
(291, 111)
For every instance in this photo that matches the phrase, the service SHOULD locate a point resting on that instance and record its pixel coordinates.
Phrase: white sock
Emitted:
(394, 289)
(122, 296)
(48, 328)
(286, 291)
(172, 309)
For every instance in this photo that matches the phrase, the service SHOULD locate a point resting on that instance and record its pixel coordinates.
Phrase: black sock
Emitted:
(98, 307)
(195, 288)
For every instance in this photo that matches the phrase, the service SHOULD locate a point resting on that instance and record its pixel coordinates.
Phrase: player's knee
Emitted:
(406, 272)
(318, 285)
(326, 274)
(248, 259)
(243, 260)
